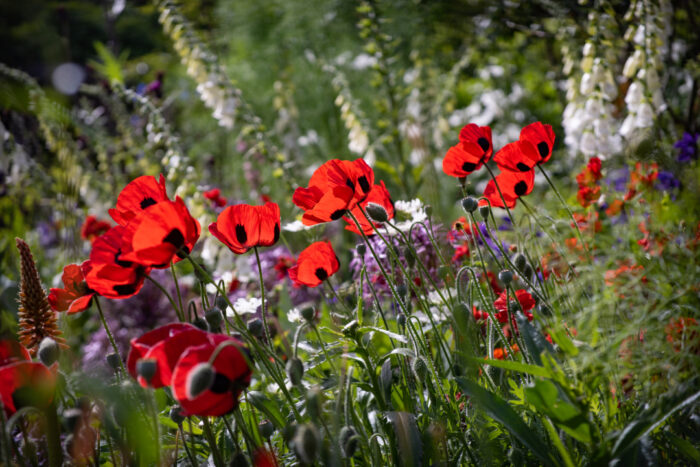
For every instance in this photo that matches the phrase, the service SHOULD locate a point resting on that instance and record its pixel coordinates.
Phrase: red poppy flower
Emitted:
(541, 137)
(139, 195)
(334, 188)
(214, 195)
(93, 228)
(378, 195)
(315, 264)
(519, 156)
(167, 352)
(75, 295)
(12, 351)
(232, 375)
(107, 272)
(474, 149)
(461, 252)
(526, 301)
(513, 185)
(141, 345)
(242, 227)
(26, 384)
(163, 233)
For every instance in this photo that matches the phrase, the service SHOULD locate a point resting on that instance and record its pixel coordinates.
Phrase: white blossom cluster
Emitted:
(213, 86)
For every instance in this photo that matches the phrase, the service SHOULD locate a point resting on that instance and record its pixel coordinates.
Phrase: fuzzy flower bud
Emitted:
(200, 379)
(176, 414)
(295, 370)
(266, 429)
(376, 212)
(470, 204)
(484, 211)
(48, 351)
(146, 369)
(255, 327)
(506, 277)
(306, 443)
(348, 440)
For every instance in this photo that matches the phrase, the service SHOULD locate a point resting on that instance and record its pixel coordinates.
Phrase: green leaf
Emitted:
(111, 66)
(400, 351)
(390, 334)
(544, 395)
(534, 341)
(499, 410)
(564, 342)
(268, 407)
(408, 438)
(533, 370)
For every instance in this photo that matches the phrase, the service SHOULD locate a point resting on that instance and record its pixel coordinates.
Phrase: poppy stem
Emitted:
(170, 298)
(266, 327)
(109, 335)
(177, 288)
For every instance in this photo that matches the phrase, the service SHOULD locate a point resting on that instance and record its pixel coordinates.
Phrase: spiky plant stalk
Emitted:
(36, 318)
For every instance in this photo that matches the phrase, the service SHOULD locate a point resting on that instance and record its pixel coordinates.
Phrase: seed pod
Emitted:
(48, 351)
(348, 440)
(200, 379)
(470, 204)
(505, 276)
(295, 370)
(361, 249)
(376, 212)
(146, 368)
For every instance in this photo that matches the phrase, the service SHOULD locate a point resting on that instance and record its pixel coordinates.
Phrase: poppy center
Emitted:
(276, 233)
(146, 202)
(520, 188)
(543, 148)
(175, 238)
(364, 184)
(484, 143)
(468, 167)
(522, 167)
(125, 289)
(337, 214)
(321, 274)
(221, 384)
(241, 234)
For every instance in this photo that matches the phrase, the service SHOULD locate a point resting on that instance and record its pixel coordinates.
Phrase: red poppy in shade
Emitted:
(378, 195)
(26, 384)
(163, 233)
(12, 351)
(214, 195)
(93, 228)
(232, 375)
(242, 227)
(75, 295)
(139, 195)
(526, 301)
(141, 345)
(107, 273)
(167, 352)
(334, 188)
(513, 185)
(541, 137)
(474, 149)
(315, 264)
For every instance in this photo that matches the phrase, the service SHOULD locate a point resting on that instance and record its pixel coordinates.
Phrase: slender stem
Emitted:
(323, 348)
(170, 298)
(109, 335)
(177, 288)
(262, 299)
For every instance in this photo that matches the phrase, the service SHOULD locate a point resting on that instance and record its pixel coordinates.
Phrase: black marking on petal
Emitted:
(520, 188)
(349, 183)
(364, 184)
(118, 262)
(522, 167)
(241, 234)
(221, 384)
(321, 274)
(484, 143)
(124, 289)
(147, 202)
(543, 148)
(276, 234)
(468, 167)
(175, 238)
(337, 214)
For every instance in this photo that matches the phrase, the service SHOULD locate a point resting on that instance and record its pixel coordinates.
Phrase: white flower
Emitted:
(296, 226)
(294, 315)
(246, 306)
(413, 209)
(363, 61)
(588, 144)
(628, 126)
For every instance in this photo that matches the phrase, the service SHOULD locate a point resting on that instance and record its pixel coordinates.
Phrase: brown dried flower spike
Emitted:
(36, 318)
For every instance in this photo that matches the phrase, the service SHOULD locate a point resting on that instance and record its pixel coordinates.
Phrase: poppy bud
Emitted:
(201, 323)
(361, 249)
(428, 210)
(470, 204)
(295, 370)
(176, 414)
(266, 428)
(401, 319)
(71, 417)
(306, 443)
(443, 272)
(214, 318)
(113, 361)
(48, 351)
(308, 313)
(410, 257)
(146, 369)
(520, 261)
(313, 403)
(527, 271)
(348, 440)
(255, 326)
(420, 368)
(221, 303)
(484, 211)
(376, 212)
(506, 277)
(402, 290)
(200, 379)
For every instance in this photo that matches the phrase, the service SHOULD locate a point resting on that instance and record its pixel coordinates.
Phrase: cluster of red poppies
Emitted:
(516, 160)
(22, 381)
(176, 351)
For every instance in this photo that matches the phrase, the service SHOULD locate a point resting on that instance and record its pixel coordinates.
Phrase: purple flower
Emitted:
(666, 181)
(688, 145)
(618, 179)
